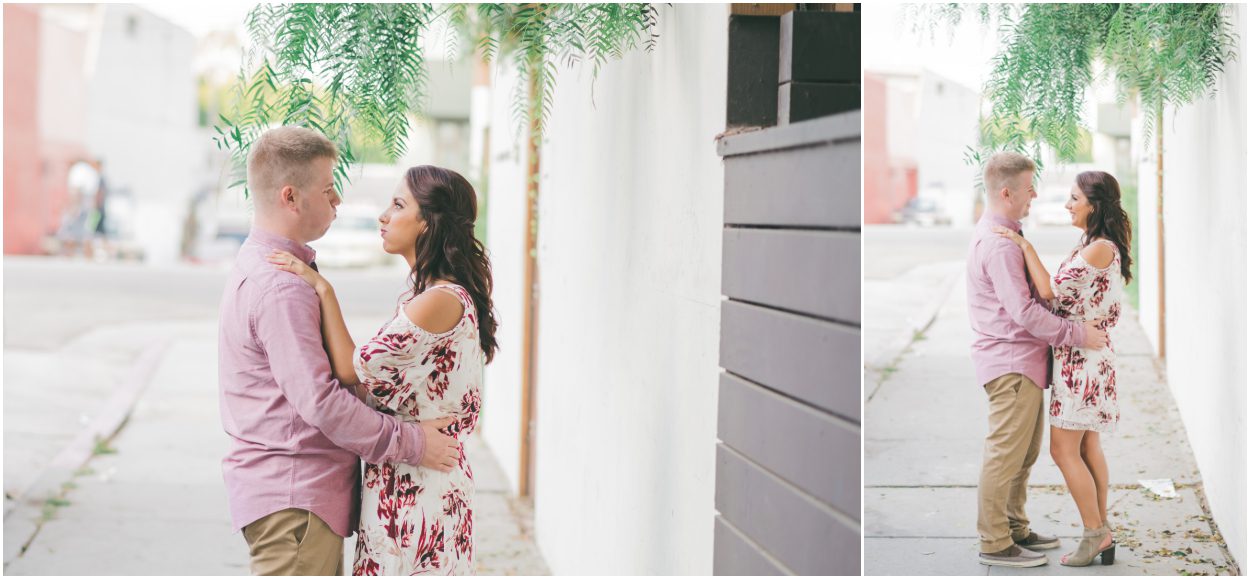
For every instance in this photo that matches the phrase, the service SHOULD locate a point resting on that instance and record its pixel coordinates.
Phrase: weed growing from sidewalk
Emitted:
(884, 374)
(50, 507)
(916, 337)
(102, 447)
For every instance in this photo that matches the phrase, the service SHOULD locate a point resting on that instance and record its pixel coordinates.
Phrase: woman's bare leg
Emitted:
(1065, 449)
(1096, 462)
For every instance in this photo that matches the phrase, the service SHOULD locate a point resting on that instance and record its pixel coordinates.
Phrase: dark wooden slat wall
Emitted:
(811, 360)
(737, 555)
(808, 271)
(822, 187)
(788, 457)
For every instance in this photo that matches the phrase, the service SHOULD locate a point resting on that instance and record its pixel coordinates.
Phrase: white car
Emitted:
(924, 211)
(354, 239)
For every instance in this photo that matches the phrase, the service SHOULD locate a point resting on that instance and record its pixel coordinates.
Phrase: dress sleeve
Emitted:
(288, 326)
(394, 364)
(1071, 283)
(1004, 265)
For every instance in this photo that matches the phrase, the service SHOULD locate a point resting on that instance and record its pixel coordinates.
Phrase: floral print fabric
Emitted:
(416, 520)
(1083, 394)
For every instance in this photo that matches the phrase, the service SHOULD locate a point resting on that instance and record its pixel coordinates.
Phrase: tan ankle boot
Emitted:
(1091, 547)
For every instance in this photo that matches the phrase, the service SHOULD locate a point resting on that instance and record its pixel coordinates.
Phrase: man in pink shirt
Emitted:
(292, 473)
(1014, 331)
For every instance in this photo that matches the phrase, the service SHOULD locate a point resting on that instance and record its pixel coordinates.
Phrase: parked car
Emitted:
(354, 239)
(923, 211)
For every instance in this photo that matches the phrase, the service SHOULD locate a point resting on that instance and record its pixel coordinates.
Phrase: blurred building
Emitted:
(880, 205)
(112, 82)
(27, 217)
(929, 122)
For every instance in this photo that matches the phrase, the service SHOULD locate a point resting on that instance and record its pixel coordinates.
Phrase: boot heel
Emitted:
(1108, 556)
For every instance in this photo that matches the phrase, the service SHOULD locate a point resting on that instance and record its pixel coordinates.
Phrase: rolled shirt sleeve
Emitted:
(1004, 265)
(287, 324)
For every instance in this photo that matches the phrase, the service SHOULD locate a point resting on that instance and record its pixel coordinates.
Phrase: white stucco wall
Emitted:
(1205, 210)
(628, 329)
(629, 251)
(505, 240)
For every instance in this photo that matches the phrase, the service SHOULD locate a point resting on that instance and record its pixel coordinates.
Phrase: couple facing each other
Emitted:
(301, 403)
(1033, 331)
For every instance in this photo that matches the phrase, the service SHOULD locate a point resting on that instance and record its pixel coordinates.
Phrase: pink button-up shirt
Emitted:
(1014, 328)
(295, 432)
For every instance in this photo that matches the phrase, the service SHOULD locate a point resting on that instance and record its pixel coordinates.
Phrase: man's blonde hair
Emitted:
(1002, 168)
(281, 156)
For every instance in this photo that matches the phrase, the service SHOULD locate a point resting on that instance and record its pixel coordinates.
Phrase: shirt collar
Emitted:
(275, 241)
(995, 219)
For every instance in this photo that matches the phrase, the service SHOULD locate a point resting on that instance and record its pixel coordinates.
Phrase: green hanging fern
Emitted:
(358, 69)
(1164, 55)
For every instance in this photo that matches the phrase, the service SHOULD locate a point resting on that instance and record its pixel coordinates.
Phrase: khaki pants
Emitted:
(1011, 448)
(293, 542)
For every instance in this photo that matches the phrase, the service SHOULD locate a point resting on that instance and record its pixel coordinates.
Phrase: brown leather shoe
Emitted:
(1013, 556)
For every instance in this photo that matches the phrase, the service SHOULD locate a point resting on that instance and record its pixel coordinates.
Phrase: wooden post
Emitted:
(481, 79)
(530, 309)
(1159, 218)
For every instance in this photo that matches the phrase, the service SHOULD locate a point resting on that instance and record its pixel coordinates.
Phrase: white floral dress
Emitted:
(416, 520)
(1083, 392)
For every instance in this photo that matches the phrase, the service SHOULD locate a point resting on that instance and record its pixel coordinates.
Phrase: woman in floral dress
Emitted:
(426, 365)
(1083, 398)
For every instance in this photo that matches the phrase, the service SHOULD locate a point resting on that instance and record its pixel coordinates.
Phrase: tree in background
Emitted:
(1157, 56)
(352, 70)
(359, 69)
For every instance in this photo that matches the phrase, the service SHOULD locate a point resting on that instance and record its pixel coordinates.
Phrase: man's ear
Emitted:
(287, 198)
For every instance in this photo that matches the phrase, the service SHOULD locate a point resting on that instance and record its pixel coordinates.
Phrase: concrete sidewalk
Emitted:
(152, 502)
(924, 429)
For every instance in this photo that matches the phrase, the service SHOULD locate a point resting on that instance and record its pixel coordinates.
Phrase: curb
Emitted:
(22, 517)
(928, 313)
(891, 353)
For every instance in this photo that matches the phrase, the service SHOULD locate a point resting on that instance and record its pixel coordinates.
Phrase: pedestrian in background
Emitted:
(83, 186)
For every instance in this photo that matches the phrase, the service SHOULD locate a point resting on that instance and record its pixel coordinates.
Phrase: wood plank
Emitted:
(809, 187)
(812, 272)
(760, 9)
(815, 361)
(809, 448)
(840, 127)
(797, 530)
(823, 7)
(734, 554)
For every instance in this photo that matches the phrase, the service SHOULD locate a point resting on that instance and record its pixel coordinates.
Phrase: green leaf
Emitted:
(357, 73)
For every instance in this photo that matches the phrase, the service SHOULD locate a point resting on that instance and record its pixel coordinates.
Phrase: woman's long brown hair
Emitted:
(447, 248)
(1108, 219)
